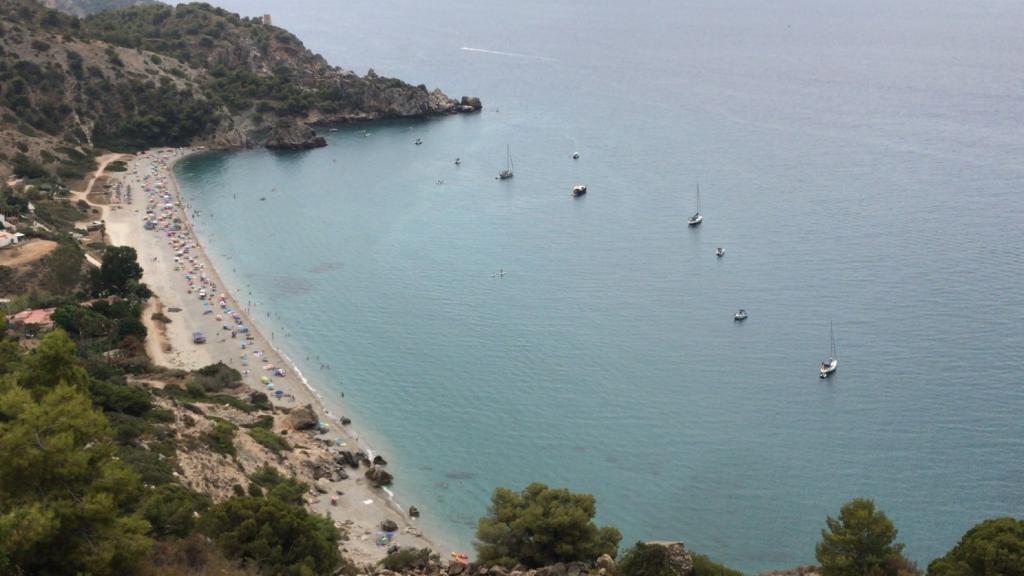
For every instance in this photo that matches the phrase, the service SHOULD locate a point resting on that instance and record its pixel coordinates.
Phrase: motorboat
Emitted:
(458, 161)
(575, 155)
(578, 191)
(740, 315)
(418, 141)
(720, 252)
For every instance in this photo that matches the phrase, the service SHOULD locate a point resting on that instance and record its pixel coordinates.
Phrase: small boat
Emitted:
(507, 172)
(458, 161)
(418, 141)
(740, 315)
(263, 198)
(578, 191)
(720, 252)
(829, 367)
(334, 129)
(697, 217)
(499, 274)
(575, 155)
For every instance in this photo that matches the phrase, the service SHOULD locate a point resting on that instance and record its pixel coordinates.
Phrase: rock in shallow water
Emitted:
(291, 134)
(379, 476)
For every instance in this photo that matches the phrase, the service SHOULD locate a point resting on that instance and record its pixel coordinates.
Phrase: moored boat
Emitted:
(829, 367)
(740, 315)
(579, 190)
(720, 252)
(507, 172)
(697, 217)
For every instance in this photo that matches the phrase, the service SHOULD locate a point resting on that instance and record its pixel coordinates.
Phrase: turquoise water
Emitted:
(859, 162)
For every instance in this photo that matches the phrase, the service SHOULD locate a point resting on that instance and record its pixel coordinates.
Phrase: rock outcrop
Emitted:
(303, 418)
(379, 476)
(389, 526)
(414, 512)
(347, 458)
(290, 134)
(678, 557)
(470, 104)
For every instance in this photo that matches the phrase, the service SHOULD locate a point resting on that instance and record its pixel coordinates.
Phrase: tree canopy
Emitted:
(65, 503)
(54, 362)
(279, 538)
(542, 526)
(119, 272)
(994, 547)
(861, 542)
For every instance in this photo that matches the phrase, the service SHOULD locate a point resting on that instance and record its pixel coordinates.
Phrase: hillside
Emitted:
(155, 75)
(83, 7)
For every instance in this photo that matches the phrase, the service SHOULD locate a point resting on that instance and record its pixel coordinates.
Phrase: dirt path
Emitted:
(103, 161)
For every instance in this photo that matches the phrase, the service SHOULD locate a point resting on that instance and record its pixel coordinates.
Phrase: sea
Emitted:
(860, 162)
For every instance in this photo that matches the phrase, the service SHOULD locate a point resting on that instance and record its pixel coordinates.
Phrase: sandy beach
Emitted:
(178, 272)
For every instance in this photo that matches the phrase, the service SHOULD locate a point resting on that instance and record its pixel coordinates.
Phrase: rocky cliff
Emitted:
(291, 134)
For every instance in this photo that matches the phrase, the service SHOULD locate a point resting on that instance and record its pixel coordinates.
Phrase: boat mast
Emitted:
(698, 197)
(508, 154)
(832, 341)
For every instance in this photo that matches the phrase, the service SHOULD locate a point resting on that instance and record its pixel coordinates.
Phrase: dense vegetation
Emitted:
(541, 526)
(993, 547)
(154, 75)
(73, 500)
(87, 483)
(861, 542)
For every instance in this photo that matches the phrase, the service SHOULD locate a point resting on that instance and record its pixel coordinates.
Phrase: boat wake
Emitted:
(511, 54)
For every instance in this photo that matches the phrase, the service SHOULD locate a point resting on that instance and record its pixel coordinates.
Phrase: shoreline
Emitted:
(164, 272)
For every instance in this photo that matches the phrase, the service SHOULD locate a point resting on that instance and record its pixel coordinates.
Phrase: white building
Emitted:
(9, 239)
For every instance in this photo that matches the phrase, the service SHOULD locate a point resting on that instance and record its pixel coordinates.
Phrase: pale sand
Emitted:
(124, 226)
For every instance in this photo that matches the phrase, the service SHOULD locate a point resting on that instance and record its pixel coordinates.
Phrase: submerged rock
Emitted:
(290, 134)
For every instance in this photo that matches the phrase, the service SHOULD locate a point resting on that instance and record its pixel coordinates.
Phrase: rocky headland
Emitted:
(157, 75)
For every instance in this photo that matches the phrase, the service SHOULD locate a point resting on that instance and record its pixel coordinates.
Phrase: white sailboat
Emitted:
(697, 218)
(507, 172)
(829, 367)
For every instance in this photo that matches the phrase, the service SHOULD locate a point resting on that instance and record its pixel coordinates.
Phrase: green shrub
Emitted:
(860, 542)
(277, 486)
(282, 538)
(542, 526)
(994, 547)
(266, 438)
(704, 566)
(171, 510)
(646, 560)
(113, 397)
(217, 377)
(408, 559)
(152, 467)
(221, 439)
